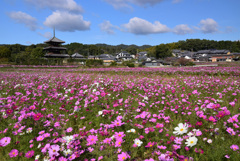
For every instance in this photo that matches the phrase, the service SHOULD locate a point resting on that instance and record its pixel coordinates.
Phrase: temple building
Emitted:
(55, 50)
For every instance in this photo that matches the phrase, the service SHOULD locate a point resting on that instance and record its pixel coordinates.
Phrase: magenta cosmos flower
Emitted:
(5, 141)
(92, 139)
(13, 153)
(234, 147)
(123, 156)
(29, 154)
(53, 151)
(69, 129)
(37, 116)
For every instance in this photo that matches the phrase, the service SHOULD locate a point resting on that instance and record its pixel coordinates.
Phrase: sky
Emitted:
(114, 22)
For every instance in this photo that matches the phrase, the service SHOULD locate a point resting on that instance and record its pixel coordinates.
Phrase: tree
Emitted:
(132, 50)
(5, 52)
(37, 52)
(162, 51)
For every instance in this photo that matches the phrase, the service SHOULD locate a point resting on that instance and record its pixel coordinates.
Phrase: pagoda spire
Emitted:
(54, 31)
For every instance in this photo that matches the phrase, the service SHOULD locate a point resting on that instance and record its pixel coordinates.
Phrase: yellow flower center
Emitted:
(181, 129)
(191, 142)
(123, 157)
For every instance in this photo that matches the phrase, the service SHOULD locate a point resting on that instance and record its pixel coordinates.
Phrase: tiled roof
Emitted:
(54, 39)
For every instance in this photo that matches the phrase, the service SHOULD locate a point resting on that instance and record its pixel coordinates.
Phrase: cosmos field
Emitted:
(135, 114)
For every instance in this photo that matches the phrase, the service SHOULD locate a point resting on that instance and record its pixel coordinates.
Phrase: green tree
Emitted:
(162, 51)
(5, 52)
(37, 52)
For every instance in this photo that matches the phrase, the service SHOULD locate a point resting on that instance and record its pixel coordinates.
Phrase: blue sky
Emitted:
(113, 22)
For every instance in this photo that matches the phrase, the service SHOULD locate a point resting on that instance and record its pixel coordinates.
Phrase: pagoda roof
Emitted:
(54, 39)
(56, 55)
(54, 47)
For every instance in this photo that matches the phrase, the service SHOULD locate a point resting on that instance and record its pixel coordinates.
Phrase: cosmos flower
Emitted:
(181, 129)
(13, 153)
(29, 154)
(123, 156)
(37, 116)
(234, 147)
(138, 142)
(191, 141)
(5, 141)
(92, 139)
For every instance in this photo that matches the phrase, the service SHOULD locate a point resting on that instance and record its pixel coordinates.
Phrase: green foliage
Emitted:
(94, 62)
(162, 51)
(113, 64)
(5, 52)
(37, 52)
(190, 63)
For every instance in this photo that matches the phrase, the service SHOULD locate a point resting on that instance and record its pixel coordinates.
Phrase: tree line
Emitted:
(12, 53)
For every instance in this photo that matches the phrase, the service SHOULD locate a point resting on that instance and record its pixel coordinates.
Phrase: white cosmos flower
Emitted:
(66, 152)
(181, 129)
(132, 130)
(37, 157)
(191, 141)
(209, 141)
(138, 142)
(68, 139)
(100, 112)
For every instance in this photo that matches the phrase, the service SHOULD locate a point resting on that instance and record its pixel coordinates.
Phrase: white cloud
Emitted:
(47, 35)
(66, 5)
(107, 27)
(182, 29)
(24, 18)
(127, 3)
(65, 21)
(145, 2)
(208, 26)
(140, 26)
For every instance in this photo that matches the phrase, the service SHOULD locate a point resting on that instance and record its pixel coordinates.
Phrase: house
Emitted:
(124, 56)
(107, 59)
(92, 57)
(77, 56)
(141, 54)
(236, 56)
(222, 57)
(153, 63)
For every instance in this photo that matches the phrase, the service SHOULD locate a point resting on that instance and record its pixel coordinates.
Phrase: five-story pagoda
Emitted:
(55, 50)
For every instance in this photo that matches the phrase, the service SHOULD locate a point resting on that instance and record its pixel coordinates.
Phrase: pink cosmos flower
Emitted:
(62, 159)
(40, 138)
(69, 129)
(123, 156)
(161, 147)
(118, 142)
(117, 123)
(13, 153)
(5, 141)
(232, 103)
(92, 139)
(73, 156)
(211, 118)
(178, 140)
(119, 135)
(151, 159)
(107, 140)
(100, 158)
(9, 111)
(150, 144)
(37, 116)
(53, 150)
(234, 147)
(29, 154)
(46, 147)
(41, 132)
